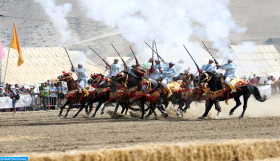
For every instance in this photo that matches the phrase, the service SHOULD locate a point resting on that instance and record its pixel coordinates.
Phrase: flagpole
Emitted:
(8, 54)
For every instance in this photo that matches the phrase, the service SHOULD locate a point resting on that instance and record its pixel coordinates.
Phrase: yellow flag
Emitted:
(16, 45)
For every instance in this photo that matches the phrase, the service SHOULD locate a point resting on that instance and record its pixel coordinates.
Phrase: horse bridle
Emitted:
(67, 79)
(207, 78)
(125, 76)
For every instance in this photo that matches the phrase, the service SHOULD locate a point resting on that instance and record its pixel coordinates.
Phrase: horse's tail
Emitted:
(257, 95)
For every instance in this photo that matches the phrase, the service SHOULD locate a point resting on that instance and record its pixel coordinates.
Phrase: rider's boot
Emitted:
(233, 90)
(169, 92)
(85, 92)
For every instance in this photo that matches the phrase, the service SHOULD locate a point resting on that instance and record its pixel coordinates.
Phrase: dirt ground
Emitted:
(40, 131)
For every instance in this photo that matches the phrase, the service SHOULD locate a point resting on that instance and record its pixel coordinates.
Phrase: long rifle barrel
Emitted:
(210, 52)
(154, 51)
(98, 55)
(68, 56)
(191, 57)
(119, 55)
(134, 55)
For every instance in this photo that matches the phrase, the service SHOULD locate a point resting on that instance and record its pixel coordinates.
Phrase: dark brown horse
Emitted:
(73, 95)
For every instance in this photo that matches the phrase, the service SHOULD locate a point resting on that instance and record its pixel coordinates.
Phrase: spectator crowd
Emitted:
(51, 95)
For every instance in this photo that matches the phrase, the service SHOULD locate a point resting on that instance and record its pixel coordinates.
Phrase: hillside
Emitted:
(260, 16)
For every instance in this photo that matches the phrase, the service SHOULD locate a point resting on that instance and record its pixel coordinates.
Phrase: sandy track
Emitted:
(59, 134)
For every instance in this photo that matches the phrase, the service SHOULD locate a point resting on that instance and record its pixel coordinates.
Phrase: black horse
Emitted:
(213, 80)
(100, 97)
(189, 82)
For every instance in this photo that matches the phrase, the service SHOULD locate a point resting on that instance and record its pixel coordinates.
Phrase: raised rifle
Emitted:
(153, 44)
(210, 52)
(154, 51)
(192, 58)
(99, 56)
(119, 55)
(137, 63)
(68, 57)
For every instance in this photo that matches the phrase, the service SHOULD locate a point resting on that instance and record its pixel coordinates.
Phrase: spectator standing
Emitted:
(32, 94)
(60, 94)
(22, 90)
(254, 80)
(45, 95)
(49, 83)
(269, 81)
(1, 92)
(13, 94)
(53, 91)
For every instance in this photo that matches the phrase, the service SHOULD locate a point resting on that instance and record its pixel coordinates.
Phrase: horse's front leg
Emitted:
(80, 109)
(190, 100)
(70, 106)
(116, 108)
(62, 107)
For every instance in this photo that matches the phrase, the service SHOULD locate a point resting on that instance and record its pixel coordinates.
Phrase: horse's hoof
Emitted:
(240, 117)
(180, 116)
(66, 117)
(59, 115)
(166, 116)
(178, 113)
(141, 118)
(74, 116)
(102, 113)
(201, 117)
(146, 116)
(231, 113)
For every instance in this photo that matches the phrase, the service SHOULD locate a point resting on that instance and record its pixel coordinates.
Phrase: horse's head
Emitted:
(65, 77)
(208, 76)
(105, 83)
(181, 76)
(95, 79)
(145, 83)
(139, 72)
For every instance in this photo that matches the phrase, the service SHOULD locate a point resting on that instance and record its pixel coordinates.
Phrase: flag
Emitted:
(16, 45)
(2, 54)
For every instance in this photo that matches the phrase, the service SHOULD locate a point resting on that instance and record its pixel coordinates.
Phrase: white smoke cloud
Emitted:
(248, 46)
(171, 23)
(57, 16)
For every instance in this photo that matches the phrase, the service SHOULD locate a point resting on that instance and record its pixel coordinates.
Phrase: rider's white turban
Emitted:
(156, 59)
(230, 59)
(211, 59)
(171, 62)
(80, 64)
(116, 59)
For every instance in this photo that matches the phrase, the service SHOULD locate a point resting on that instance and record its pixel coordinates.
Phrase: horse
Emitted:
(94, 81)
(191, 94)
(223, 94)
(154, 93)
(73, 94)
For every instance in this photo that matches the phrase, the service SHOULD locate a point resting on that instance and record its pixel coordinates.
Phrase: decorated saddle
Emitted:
(176, 87)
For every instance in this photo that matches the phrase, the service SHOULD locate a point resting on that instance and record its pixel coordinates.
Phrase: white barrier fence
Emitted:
(35, 102)
(6, 102)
